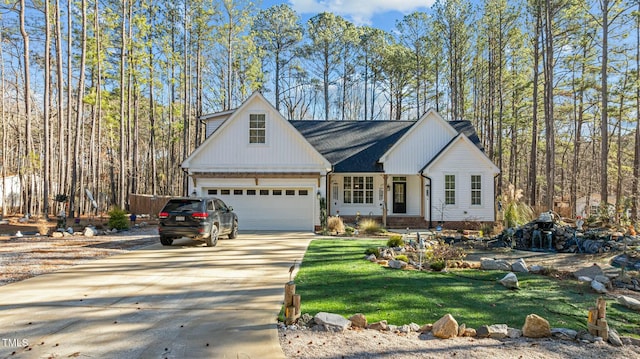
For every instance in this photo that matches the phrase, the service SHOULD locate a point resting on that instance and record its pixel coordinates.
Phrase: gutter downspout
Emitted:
(185, 191)
(430, 197)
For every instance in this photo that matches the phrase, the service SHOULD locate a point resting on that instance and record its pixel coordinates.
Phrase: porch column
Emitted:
(384, 204)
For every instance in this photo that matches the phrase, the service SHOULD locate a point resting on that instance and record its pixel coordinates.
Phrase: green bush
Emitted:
(348, 230)
(118, 219)
(437, 265)
(402, 257)
(395, 241)
(372, 250)
(370, 226)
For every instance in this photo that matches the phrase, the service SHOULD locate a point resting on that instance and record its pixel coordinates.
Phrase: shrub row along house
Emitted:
(275, 172)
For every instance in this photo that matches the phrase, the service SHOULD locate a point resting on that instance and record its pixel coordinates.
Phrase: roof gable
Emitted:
(454, 150)
(227, 149)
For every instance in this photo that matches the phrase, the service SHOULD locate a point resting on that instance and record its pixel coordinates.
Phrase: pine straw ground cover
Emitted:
(334, 277)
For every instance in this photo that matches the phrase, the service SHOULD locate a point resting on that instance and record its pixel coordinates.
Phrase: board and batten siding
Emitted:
(285, 149)
(463, 160)
(419, 145)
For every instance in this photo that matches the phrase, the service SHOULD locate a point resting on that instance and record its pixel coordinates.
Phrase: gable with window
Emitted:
(257, 128)
(358, 189)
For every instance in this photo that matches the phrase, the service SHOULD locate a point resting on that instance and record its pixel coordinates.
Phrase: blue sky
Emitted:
(381, 14)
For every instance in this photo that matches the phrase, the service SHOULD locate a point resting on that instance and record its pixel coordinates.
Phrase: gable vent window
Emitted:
(257, 128)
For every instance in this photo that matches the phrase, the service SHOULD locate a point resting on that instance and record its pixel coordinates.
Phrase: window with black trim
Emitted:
(237, 192)
(225, 191)
(277, 192)
(212, 191)
(257, 128)
(251, 192)
(303, 192)
(358, 189)
(290, 192)
(264, 192)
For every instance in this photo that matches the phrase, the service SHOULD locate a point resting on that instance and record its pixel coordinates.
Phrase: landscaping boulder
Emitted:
(358, 320)
(536, 269)
(426, 328)
(381, 326)
(445, 328)
(510, 281)
(331, 322)
(89, 232)
(372, 258)
(414, 327)
(496, 331)
(598, 287)
(469, 332)
(57, 235)
(629, 302)
(591, 272)
(536, 327)
(584, 279)
(396, 264)
(495, 264)
(514, 333)
(614, 338)
(519, 266)
(564, 333)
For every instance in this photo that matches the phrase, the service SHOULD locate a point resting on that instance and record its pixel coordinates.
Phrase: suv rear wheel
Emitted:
(234, 230)
(212, 240)
(166, 241)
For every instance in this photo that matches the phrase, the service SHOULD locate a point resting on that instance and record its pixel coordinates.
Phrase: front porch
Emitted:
(415, 222)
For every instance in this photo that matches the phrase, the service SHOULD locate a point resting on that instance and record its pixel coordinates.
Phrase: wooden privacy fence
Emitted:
(146, 204)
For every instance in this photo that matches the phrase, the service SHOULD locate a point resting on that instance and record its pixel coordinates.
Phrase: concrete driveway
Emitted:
(183, 301)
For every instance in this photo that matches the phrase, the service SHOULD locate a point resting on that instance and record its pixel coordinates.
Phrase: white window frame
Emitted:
(476, 193)
(357, 190)
(449, 192)
(257, 129)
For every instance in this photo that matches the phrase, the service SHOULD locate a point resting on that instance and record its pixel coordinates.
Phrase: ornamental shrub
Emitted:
(395, 241)
(118, 219)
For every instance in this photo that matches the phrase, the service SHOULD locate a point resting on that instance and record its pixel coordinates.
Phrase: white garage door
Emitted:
(270, 208)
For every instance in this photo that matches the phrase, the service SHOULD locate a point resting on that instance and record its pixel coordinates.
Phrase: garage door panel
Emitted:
(270, 208)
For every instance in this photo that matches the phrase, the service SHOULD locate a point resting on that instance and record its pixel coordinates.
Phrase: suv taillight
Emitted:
(163, 215)
(200, 215)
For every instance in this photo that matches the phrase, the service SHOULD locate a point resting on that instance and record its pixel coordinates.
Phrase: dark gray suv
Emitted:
(201, 218)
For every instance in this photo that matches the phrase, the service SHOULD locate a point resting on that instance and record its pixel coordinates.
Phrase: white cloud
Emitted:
(359, 12)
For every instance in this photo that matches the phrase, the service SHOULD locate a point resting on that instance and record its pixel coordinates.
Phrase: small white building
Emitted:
(10, 192)
(273, 172)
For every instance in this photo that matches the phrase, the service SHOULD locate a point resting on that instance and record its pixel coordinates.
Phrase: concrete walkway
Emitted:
(183, 301)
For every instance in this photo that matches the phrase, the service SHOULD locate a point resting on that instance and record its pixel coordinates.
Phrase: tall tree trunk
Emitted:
(636, 157)
(47, 112)
(152, 119)
(27, 108)
(61, 163)
(533, 161)
(548, 100)
(77, 144)
(604, 126)
(123, 120)
(4, 134)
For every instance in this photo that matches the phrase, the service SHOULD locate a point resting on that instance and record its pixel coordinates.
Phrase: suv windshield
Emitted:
(182, 205)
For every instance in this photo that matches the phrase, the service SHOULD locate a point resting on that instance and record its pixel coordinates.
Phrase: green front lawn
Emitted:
(334, 277)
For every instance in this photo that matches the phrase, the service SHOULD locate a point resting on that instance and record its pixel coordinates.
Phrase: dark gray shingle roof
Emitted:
(356, 146)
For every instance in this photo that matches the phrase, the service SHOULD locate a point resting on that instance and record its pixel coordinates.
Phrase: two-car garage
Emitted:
(269, 207)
